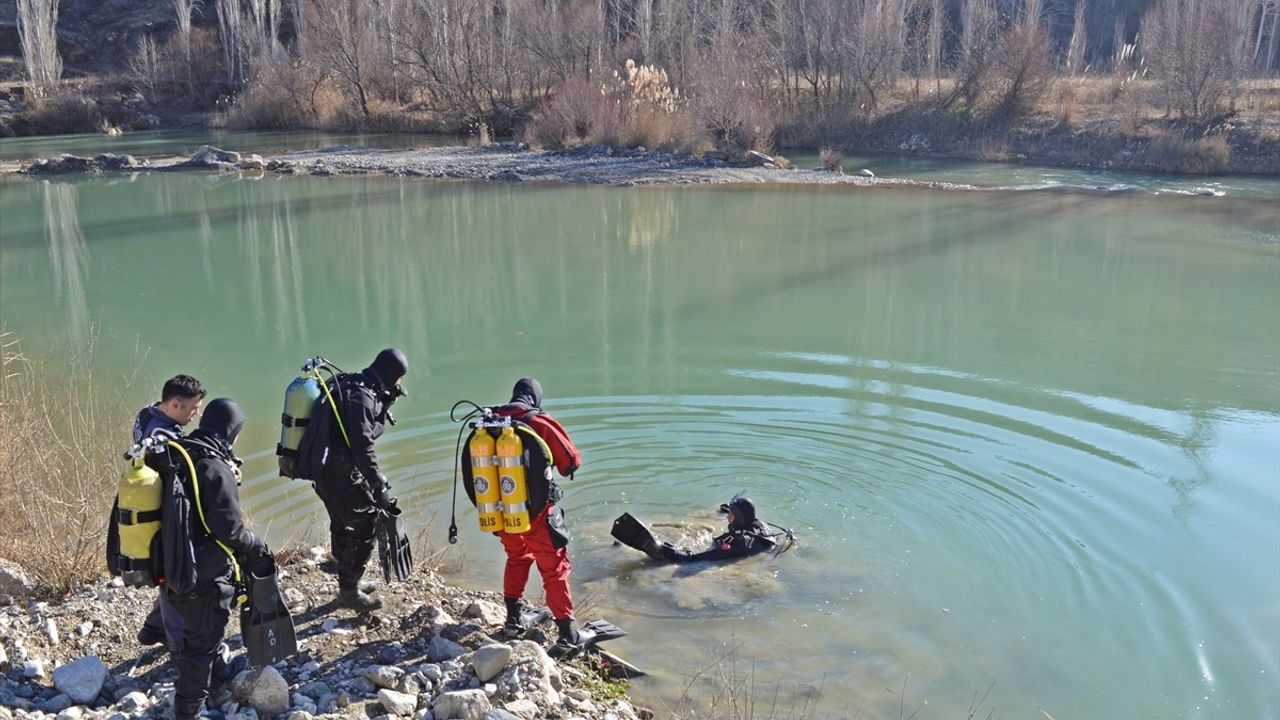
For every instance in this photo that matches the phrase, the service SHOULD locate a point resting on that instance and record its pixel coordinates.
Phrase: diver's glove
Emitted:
(382, 492)
(670, 553)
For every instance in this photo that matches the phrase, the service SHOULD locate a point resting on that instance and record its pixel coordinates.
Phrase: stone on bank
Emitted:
(81, 679)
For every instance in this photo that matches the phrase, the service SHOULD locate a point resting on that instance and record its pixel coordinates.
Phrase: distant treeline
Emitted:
(738, 65)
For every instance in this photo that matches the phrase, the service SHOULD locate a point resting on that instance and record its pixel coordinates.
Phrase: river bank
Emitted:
(433, 651)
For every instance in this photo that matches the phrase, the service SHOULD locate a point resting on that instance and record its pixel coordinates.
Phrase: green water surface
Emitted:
(1029, 438)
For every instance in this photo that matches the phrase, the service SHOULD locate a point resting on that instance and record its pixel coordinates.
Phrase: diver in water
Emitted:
(746, 535)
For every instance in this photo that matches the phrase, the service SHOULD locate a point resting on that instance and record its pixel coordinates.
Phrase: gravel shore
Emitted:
(432, 652)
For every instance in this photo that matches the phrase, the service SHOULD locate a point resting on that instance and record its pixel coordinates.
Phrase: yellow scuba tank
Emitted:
(515, 493)
(138, 517)
(299, 398)
(484, 473)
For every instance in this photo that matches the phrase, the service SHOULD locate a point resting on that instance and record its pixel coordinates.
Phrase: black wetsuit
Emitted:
(350, 483)
(737, 543)
(196, 621)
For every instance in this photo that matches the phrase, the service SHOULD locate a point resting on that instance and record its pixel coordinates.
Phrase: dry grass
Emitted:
(60, 446)
(64, 112)
(725, 691)
(1177, 154)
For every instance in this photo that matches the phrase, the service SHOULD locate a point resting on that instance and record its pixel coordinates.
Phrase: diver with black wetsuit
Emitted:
(746, 535)
(196, 620)
(347, 476)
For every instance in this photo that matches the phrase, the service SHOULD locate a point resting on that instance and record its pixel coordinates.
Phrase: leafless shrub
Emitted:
(285, 94)
(1175, 153)
(832, 159)
(60, 445)
(1022, 63)
(728, 101)
(1194, 48)
(38, 34)
(577, 111)
(145, 66)
(64, 112)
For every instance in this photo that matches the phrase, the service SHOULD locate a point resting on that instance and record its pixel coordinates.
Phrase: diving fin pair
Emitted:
(266, 627)
(634, 534)
(394, 553)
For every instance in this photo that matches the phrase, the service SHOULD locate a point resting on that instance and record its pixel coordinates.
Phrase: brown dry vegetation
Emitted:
(746, 74)
(60, 445)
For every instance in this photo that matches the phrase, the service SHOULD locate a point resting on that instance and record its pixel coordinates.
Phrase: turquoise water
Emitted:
(1029, 438)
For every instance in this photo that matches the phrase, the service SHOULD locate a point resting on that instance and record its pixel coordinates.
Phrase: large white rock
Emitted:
(385, 676)
(133, 702)
(442, 648)
(209, 155)
(398, 703)
(537, 671)
(264, 689)
(522, 708)
(461, 705)
(14, 580)
(489, 660)
(490, 613)
(81, 679)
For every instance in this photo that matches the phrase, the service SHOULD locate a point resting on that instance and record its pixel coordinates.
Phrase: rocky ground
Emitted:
(597, 165)
(433, 652)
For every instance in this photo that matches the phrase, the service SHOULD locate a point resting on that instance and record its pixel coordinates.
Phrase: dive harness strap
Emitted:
(195, 489)
(336, 415)
(135, 517)
(291, 421)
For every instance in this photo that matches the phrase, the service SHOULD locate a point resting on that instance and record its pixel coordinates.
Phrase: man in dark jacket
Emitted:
(348, 480)
(180, 400)
(196, 620)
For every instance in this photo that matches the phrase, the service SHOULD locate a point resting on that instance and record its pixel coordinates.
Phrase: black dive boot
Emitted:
(567, 645)
(513, 627)
(351, 596)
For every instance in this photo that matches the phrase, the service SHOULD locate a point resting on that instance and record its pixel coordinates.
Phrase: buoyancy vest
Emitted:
(326, 438)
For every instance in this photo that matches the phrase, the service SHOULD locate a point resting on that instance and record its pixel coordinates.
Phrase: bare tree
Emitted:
(38, 33)
(1077, 45)
(339, 35)
(1194, 50)
(937, 28)
(144, 65)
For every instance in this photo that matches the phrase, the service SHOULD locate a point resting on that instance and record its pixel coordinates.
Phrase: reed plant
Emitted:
(61, 439)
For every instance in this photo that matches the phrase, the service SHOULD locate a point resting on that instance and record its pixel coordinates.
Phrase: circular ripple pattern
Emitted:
(954, 531)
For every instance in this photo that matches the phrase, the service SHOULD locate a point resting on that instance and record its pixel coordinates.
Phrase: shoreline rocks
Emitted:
(410, 660)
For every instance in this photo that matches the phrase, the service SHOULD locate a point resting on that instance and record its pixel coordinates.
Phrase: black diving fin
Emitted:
(633, 533)
(588, 636)
(266, 627)
(597, 631)
(394, 552)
